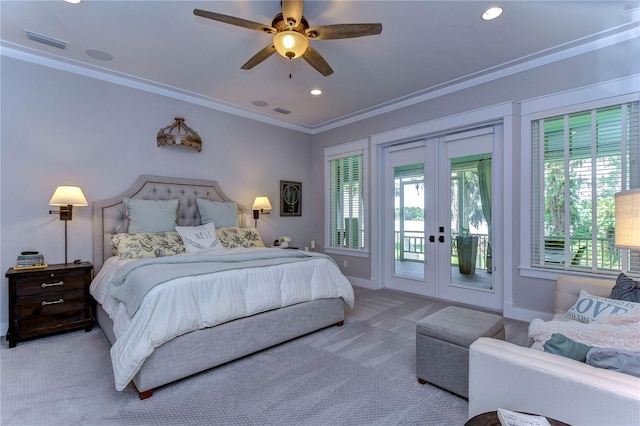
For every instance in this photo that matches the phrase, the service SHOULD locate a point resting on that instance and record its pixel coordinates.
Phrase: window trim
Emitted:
(592, 97)
(348, 149)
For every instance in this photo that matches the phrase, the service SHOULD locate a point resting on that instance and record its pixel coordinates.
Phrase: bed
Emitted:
(157, 337)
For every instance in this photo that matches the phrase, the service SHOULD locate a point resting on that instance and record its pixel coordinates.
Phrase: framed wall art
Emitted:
(290, 198)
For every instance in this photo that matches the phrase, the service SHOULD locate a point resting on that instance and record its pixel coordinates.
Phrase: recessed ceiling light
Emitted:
(99, 54)
(73, 1)
(316, 92)
(492, 13)
(260, 103)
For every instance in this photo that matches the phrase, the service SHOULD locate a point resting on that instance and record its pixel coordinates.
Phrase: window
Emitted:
(345, 190)
(579, 161)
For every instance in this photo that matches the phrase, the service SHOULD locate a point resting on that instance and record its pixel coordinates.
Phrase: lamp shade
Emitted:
(68, 195)
(261, 203)
(628, 219)
(290, 44)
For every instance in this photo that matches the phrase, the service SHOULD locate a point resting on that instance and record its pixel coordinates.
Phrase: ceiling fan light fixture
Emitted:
(290, 44)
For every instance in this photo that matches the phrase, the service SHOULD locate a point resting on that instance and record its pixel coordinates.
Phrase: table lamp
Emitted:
(628, 219)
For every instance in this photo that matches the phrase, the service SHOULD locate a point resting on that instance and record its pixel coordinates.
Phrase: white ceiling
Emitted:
(424, 46)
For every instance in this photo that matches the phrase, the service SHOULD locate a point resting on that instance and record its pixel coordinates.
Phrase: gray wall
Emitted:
(583, 70)
(60, 128)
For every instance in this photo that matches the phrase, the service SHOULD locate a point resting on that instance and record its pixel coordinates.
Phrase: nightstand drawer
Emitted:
(52, 282)
(60, 304)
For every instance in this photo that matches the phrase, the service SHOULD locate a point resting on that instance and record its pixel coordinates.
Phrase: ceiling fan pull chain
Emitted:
(290, 67)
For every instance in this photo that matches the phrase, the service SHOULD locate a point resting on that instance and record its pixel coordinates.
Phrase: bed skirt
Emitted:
(203, 349)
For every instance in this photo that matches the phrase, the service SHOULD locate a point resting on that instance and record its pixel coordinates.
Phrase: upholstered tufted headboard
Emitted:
(109, 216)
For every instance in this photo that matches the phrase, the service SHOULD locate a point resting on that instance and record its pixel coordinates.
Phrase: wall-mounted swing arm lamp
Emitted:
(260, 205)
(66, 197)
(628, 219)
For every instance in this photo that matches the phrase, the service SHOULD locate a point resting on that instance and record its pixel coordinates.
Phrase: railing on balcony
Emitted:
(581, 252)
(409, 246)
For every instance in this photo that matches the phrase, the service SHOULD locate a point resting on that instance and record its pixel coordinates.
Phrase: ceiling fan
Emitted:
(291, 35)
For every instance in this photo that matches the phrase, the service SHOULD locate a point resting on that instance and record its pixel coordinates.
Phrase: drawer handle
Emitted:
(45, 285)
(55, 302)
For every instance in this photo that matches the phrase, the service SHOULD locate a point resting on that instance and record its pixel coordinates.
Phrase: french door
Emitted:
(439, 208)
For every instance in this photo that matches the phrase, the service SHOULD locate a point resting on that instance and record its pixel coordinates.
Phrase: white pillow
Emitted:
(589, 307)
(199, 238)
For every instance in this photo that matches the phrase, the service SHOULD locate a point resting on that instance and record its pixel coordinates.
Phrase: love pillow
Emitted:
(589, 307)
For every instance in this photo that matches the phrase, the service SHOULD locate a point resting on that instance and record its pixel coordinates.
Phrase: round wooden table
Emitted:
(491, 419)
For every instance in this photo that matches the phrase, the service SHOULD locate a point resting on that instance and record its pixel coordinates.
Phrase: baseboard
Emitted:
(360, 282)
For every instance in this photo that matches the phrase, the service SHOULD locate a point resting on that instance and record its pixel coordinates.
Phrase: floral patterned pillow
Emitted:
(147, 244)
(232, 237)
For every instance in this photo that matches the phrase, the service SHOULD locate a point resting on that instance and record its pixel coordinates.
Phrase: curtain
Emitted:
(484, 180)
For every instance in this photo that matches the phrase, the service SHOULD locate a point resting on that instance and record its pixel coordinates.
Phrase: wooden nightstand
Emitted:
(48, 300)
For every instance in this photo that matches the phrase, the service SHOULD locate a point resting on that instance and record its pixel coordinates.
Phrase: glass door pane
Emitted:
(470, 246)
(409, 237)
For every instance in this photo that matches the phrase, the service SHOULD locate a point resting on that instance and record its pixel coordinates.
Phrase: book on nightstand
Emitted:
(30, 260)
(25, 267)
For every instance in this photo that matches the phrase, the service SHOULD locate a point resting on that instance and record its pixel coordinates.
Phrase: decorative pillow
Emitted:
(142, 244)
(621, 360)
(239, 237)
(199, 238)
(560, 344)
(151, 215)
(626, 289)
(590, 307)
(221, 213)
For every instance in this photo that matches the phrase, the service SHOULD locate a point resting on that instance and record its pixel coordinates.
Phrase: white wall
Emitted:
(530, 296)
(60, 128)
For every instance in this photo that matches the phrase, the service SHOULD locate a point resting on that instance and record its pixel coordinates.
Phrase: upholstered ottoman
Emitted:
(442, 345)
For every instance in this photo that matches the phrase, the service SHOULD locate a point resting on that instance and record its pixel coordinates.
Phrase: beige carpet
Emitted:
(360, 374)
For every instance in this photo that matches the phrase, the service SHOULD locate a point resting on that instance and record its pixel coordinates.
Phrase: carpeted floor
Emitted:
(360, 374)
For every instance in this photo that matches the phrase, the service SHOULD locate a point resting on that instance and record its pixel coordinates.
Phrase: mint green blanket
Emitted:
(137, 278)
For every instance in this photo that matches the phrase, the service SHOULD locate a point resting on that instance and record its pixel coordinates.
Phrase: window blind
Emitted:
(579, 160)
(346, 203)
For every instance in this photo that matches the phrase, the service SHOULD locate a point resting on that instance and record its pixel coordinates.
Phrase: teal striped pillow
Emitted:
(626, 289)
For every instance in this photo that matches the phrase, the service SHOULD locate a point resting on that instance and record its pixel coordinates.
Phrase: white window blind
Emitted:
(346, 213)
(579, 161)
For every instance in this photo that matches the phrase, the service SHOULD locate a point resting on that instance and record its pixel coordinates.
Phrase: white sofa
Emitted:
(504, 375)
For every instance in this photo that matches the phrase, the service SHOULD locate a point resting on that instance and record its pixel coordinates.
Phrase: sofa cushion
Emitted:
(626, 289)
(589, 307)
(560, 344)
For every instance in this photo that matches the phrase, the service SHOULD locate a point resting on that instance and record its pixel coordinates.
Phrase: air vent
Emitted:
(46, 40)
(282, 111)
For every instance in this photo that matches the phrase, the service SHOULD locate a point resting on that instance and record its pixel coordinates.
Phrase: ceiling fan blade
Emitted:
(259, 57)
(338, 31)
(234, 21)
(314, 59)
(292, 10)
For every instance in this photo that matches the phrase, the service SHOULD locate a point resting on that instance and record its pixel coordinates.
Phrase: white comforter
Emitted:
(191, 303)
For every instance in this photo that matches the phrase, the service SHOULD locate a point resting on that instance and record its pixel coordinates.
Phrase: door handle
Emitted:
(432, 239)
(441, 238)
